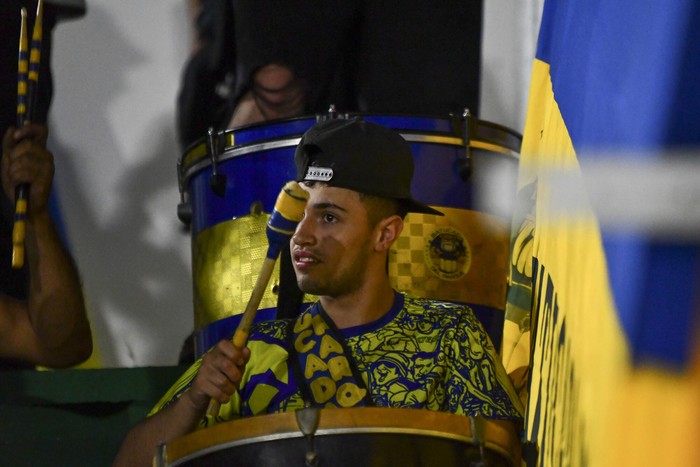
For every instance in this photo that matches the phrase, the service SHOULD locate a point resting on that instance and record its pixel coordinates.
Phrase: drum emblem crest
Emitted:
(447, 254)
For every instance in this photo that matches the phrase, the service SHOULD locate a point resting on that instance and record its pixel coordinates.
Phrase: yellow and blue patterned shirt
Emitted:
(421, 354)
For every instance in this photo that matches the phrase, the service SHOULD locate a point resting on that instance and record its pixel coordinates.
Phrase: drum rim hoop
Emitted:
(425, 423)
(199, 158)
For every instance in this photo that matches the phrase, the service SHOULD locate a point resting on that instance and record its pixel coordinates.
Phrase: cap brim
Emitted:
(415, 206)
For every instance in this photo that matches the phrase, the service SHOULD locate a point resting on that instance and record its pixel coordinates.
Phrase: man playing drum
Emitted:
(362, 343)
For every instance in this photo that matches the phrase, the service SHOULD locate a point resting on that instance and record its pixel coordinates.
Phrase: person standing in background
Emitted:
(258, 60)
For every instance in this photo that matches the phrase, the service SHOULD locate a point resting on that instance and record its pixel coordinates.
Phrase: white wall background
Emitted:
(117, 74)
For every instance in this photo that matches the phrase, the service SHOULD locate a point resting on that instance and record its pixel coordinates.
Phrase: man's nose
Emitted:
(303, 234)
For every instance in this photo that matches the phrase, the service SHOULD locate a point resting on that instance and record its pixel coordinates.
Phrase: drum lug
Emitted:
(184, 211)
(307, 420)
(161, 457)
(478, 427)
(331, 114)
(217, 181)
(466, 163)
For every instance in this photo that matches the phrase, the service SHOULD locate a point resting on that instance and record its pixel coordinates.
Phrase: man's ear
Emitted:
(388, 230)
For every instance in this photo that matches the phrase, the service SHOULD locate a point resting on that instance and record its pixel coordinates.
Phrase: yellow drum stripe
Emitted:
(227, 259)
(470, 267)
(492, 147)
(198, 152)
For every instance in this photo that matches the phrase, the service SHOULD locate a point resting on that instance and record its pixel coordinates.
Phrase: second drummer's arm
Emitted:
(217, 378)
(51, 327)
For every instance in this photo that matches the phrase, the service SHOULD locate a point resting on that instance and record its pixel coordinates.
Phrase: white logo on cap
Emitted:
(320, 174)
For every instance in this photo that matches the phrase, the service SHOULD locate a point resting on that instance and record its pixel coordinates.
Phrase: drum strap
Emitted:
(322, 363)
(290, 297)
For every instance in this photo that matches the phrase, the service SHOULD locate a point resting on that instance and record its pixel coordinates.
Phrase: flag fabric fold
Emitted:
(602, 317)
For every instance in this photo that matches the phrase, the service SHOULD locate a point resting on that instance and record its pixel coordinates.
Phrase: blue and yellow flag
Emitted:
(601, 333)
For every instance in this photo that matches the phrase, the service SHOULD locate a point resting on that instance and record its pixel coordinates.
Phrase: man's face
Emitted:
(332, 243)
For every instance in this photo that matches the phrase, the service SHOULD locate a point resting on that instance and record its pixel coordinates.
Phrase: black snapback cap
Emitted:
(359, 156)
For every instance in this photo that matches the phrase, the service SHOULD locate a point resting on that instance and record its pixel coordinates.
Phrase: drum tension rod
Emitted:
(478, 427)
(161, 457)
(332, 114)
(217, 181)
(307, 420)
(465, 163)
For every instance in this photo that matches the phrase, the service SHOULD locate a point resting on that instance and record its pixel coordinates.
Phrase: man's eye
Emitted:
(329, 218)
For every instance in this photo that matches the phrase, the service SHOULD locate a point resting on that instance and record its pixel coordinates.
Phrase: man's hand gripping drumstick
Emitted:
(288, 211)
(221, 369)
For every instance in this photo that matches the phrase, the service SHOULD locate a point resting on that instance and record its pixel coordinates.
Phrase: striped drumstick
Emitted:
(288, 211)
(22, 70)
(27, 84)
(18, 229)
(35, 60)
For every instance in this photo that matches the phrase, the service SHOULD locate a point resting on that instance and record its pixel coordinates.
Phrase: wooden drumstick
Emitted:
(288, 211)
(27, 84)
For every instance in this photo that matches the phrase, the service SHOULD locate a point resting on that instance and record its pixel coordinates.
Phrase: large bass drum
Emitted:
(464, 167)
(347, 437)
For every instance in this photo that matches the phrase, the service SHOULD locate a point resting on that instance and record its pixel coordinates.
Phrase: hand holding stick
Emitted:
(288, 211)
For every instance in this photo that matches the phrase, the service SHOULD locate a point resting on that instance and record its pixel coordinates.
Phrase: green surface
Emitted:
(74, 417)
